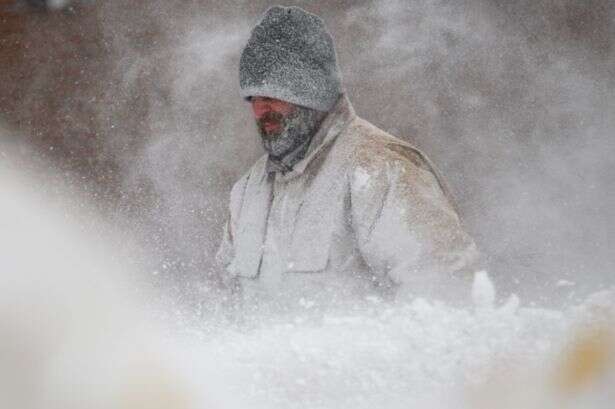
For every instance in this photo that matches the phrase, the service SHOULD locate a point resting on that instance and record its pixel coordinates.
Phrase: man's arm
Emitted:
(406, 228)
(226, 250)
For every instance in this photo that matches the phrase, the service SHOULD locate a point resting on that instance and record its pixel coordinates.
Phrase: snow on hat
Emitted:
(290, 56)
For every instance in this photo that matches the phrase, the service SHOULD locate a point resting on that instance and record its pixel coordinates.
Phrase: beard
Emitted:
(294, 130)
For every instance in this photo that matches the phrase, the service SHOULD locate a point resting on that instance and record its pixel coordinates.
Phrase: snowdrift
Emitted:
(73, 334)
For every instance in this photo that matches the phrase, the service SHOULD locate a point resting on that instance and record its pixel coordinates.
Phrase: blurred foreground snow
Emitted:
(72, 335)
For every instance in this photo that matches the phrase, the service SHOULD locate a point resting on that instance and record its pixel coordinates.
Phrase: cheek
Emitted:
(258, 111)
(284, 109)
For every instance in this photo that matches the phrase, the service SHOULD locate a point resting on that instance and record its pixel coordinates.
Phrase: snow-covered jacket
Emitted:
(362, 211)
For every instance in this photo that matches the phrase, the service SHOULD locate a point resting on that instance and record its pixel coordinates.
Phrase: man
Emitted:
(337, 209)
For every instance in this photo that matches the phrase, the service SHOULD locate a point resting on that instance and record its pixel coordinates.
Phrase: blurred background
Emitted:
(135, 105)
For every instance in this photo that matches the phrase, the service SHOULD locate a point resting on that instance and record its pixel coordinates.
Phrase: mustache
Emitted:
(268, 118)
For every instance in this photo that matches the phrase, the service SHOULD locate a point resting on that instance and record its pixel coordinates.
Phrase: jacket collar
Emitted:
(336, 121)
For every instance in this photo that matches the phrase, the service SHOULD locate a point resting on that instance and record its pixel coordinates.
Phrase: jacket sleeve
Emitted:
(226, 249)
(405, 226)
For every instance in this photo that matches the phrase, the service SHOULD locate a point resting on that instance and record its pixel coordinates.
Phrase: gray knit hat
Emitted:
(290, 56)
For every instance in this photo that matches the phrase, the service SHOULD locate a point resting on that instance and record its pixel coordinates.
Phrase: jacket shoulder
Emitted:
(374, 152)
(372, 148)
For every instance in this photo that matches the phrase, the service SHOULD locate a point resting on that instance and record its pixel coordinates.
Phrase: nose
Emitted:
(260, 106)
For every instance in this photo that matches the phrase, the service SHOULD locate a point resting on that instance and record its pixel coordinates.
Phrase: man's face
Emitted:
(270, 115)
(283, 126)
